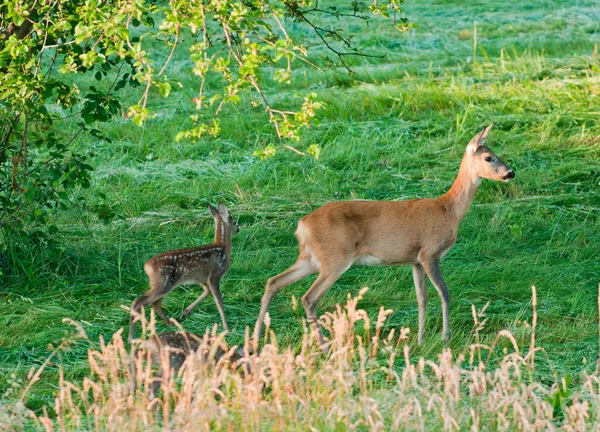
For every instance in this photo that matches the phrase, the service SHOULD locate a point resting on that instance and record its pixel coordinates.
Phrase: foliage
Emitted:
(395, 129)
(122, 44)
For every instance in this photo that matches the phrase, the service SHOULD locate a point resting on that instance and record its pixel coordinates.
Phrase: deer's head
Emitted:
(483, 162)
(222, 214)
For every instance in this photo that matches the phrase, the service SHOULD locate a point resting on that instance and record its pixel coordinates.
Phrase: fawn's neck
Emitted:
(223, 237)
(460, 196)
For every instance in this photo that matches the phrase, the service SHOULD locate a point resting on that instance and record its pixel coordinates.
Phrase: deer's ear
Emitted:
(478, 140)
(213, 211)
(223, 211)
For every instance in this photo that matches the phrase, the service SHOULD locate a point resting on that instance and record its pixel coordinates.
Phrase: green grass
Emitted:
(396, 129)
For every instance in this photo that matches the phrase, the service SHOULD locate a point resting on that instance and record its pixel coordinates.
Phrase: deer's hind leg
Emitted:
(191, 307)
(159, 287)
(150, 297)
(301, 269)
(157, 305)
(327, 277)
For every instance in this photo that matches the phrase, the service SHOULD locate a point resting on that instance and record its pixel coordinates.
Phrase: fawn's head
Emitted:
(484, 162)
(222, 214)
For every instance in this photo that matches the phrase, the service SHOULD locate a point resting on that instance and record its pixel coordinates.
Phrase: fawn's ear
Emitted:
(478, 140)
(213, 211)
(223, 211)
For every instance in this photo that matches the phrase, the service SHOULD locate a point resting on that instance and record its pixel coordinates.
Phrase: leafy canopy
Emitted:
(43, 43)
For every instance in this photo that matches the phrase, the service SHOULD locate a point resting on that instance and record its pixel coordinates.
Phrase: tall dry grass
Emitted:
(369, 380)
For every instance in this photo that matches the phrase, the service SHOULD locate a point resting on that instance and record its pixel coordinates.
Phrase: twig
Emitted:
(294, 150)
(301, 15)
(170, 54)
(252, 81)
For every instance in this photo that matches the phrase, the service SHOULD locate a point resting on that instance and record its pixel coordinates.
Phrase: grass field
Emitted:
(394, 130)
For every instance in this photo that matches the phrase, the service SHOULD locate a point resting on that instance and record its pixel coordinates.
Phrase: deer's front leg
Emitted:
(214, 284)
(432, 268)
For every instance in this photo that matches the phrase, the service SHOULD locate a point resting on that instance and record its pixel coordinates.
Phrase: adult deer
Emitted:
(417, 232)
(204, 265)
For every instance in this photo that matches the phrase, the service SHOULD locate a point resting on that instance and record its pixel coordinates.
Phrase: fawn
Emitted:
(179, 345)
(418, 232)
(204, 265)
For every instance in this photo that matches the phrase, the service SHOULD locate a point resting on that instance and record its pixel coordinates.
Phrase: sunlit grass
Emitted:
(396, 129)
(369, 380)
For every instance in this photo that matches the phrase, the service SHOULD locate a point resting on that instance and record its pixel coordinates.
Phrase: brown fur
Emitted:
(204, 265)
(179, 345)
(417, 232)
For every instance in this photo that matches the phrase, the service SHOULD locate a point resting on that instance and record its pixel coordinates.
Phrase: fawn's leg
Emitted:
(160, 285)
(149, 298)
(214, 284)
(198, 300)
(158, 309)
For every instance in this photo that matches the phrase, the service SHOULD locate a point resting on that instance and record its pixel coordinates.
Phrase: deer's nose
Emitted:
(511, 174)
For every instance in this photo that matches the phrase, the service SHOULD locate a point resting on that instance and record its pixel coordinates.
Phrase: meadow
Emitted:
(395, 129)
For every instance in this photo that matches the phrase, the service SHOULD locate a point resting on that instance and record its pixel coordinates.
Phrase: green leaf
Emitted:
(164, 89)
(267, 152)
(314, 150)
(179, 136)
(88, 118)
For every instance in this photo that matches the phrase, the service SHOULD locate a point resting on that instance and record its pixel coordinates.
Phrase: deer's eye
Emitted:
(489, 159)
